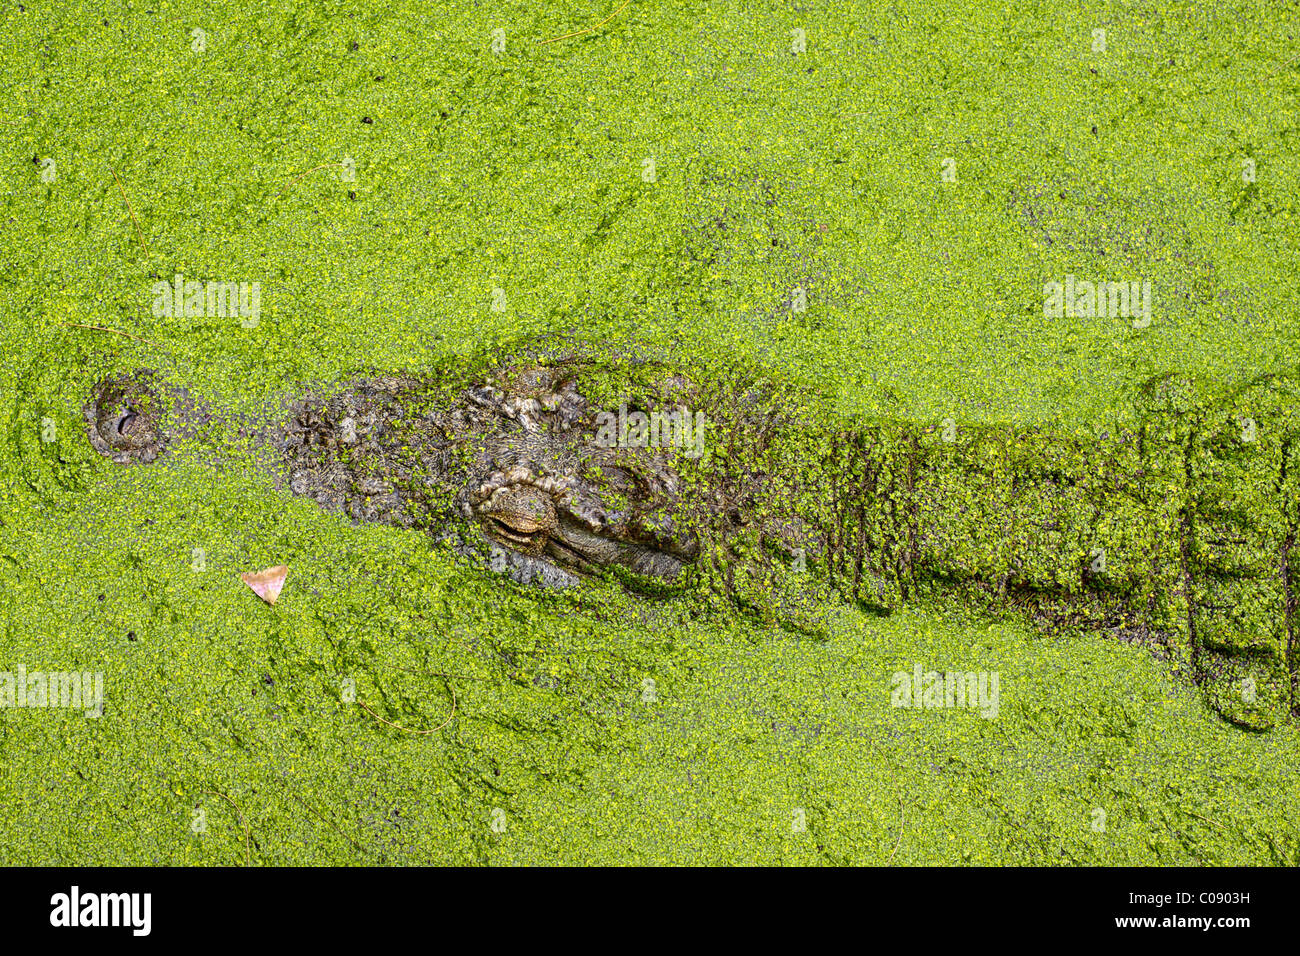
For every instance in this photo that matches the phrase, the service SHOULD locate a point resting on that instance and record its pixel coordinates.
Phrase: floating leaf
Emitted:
(266, 583)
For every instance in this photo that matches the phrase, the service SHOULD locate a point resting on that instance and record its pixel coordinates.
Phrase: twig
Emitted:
(407, 729)
(138, 231)
(579, 33)
(1206, 819)
(448, 676)
(247, 850)
(101, 328)
(337, 828)
(900, 832)
(302, 174)
(1283, 66)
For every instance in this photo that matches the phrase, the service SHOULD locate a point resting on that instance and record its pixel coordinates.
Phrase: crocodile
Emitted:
(554, 463)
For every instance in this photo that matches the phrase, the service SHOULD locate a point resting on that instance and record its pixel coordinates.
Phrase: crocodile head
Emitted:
(524, 452)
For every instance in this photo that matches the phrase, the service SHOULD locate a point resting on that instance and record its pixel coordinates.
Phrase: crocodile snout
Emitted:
(121, 420)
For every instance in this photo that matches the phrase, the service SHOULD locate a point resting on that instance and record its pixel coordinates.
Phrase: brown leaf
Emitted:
(266, 583)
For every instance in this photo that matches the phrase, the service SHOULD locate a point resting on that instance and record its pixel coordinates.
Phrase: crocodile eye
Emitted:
(518, 523)
(127, 421)
(521, 515)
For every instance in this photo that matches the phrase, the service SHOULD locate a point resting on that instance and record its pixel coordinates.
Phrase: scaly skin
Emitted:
(1175, 531)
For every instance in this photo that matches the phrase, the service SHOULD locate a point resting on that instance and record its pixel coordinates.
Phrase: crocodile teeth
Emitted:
(519, 474)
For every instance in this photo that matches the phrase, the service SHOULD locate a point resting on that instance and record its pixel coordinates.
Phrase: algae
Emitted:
(605, 727)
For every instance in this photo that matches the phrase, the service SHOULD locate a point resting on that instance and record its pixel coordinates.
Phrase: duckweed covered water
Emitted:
(504, 193)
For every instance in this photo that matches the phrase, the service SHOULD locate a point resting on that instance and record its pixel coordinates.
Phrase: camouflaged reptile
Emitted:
(554, 463)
